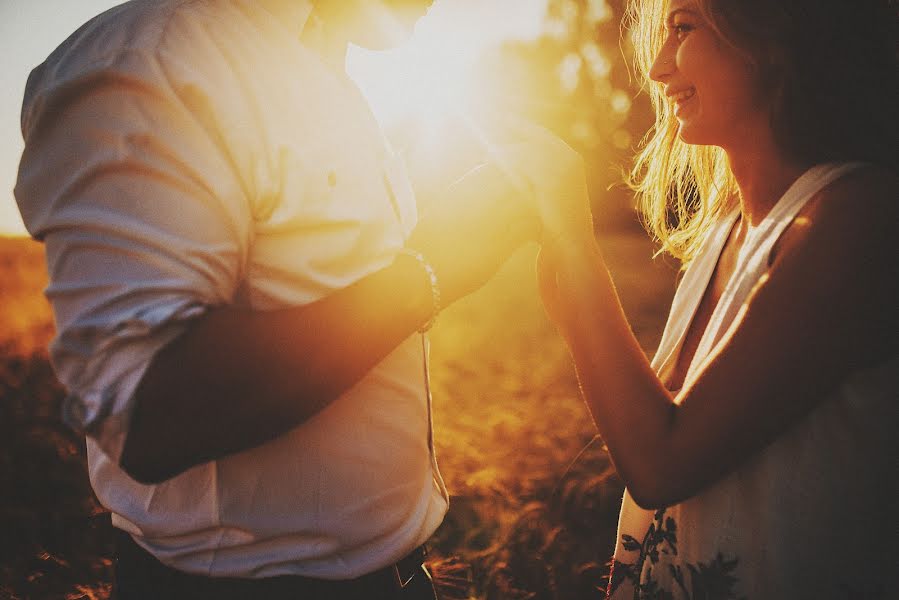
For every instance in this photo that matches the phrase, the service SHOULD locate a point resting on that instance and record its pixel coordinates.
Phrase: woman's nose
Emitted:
(663, 65)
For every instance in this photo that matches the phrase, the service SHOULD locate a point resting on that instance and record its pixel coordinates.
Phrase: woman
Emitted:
(758, 447)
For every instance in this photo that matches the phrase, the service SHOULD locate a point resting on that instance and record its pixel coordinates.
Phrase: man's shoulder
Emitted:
(143, 37)
(101, 44)
(137, 24)
(136, 40)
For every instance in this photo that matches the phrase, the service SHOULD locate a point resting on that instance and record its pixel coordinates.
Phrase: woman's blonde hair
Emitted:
(829, 69)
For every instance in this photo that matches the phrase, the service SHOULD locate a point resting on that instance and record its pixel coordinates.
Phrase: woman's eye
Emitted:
(681, 30)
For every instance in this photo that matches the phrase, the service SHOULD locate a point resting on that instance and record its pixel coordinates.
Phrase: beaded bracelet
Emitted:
(432, 279)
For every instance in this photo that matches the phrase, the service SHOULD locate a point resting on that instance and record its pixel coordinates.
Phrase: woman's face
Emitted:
(715, 95)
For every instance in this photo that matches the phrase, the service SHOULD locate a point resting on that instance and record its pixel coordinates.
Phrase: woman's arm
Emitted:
(826, 308)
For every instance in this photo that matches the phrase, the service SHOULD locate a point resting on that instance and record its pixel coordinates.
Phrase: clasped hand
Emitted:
(557, 189)
(532, 187)
(552, 176)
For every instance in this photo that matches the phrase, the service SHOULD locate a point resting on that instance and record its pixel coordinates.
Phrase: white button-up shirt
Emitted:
(187, 154)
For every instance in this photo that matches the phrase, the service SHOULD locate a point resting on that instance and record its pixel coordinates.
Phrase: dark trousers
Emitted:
(140, 576)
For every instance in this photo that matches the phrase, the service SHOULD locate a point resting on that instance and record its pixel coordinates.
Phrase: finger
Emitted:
(548, 285)
(503, 127)
(529, 228)
(499, 156)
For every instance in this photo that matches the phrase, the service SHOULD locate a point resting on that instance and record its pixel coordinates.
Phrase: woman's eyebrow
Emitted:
(688, 11)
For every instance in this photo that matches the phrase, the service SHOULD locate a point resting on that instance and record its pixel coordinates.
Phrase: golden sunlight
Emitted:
(422, 81)
(429, 95)
(429, 80)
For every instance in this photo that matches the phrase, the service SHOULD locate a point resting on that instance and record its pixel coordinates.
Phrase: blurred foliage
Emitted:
(576, 79)
(55, 540)
(27, 323)
(54, 535)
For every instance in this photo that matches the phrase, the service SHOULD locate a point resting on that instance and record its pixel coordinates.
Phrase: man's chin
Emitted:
(388, 29)
(383, 40)
(376, 42)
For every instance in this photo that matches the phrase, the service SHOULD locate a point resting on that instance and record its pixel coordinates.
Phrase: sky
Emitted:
(451, 34)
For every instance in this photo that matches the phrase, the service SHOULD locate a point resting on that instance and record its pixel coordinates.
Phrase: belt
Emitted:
(139, 575)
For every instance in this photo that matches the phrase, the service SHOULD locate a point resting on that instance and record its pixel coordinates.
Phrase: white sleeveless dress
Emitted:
(814, 514)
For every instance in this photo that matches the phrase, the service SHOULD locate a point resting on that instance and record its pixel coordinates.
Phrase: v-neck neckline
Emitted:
(700, 271)
(699, 274)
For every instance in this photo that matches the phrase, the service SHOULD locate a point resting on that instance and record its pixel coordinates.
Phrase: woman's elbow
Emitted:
(657, 486)
(652, 497)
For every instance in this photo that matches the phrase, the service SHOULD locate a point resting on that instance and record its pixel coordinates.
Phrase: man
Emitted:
(237, 278)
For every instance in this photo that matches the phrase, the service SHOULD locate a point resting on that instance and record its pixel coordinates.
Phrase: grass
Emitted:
(533, 508)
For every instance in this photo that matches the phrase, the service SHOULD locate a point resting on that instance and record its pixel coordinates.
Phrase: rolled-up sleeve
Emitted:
(145, 221)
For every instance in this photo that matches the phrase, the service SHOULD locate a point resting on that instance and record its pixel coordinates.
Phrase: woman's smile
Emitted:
(712, 88)
(682, 99)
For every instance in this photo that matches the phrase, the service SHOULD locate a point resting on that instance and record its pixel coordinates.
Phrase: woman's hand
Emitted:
(469, 233)
(548, 286)
(555, 175)
(534, 187)
(566, 278)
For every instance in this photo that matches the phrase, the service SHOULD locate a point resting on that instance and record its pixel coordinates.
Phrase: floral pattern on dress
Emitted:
(714, 580)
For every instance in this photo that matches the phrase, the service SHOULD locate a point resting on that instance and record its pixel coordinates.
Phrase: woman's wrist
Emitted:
(581, 271)
(573, 250)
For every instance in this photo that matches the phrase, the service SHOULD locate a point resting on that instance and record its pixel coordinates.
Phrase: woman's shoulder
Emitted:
(864, 187)
(864, 196)
(841, 251)
(857, 213)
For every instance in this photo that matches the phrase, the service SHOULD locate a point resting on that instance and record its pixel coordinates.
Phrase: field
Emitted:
(532, 515)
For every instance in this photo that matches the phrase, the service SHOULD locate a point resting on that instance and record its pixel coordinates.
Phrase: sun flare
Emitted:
(430, 94)
(429, 80)
(423, 82)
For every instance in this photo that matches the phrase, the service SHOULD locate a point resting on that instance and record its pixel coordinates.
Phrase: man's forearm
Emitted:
(239, 378)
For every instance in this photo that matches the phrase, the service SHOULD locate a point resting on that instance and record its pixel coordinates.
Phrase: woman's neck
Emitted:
(763, 174)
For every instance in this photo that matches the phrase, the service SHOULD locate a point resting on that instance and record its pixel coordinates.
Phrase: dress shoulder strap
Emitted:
(689, 292)
(794, 199)
(754, 255)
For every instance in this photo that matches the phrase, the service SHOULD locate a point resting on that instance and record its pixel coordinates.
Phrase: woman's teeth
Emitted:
(684, 95)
